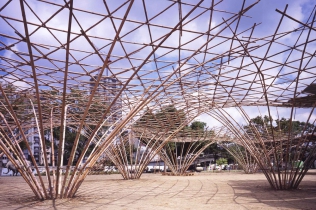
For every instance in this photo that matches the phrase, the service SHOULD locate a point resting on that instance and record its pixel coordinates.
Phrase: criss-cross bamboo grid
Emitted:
(132, 152)
(181, 151)
(284, 156)
(243, 157)
(193, 55)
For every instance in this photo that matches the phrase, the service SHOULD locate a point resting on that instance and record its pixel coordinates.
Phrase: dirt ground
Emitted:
(225, 190)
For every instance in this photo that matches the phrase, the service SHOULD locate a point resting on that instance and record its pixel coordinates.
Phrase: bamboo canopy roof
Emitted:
(184, 135)
(218, 63)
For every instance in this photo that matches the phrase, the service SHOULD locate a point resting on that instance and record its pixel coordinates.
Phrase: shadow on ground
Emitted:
(261, 192)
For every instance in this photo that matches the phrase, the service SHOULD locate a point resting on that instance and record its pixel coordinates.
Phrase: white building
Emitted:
(107, 90)
(36, 147)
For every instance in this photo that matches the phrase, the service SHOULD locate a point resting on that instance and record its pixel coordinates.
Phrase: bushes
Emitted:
(221, 161)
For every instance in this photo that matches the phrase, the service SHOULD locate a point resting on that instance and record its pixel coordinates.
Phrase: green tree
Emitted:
(198, 125)
(221, 161)
(70, 136)
(282, 125)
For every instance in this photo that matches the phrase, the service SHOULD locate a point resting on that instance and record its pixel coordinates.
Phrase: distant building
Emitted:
(32, 136)
(34, 140)
(107, 90)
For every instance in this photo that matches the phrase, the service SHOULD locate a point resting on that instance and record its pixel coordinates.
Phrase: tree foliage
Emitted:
(19, 103)
(221, 161)
(281, 126)
(198, 125)
(70, 136)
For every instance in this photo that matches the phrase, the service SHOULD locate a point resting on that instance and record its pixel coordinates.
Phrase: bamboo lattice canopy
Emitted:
(215, 63)
(305, 101)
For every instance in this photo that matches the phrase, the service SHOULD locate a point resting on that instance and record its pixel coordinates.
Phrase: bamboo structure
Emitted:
(181, 151)
(132, 152)
(284, 156)
(242, 156)
(93, 71)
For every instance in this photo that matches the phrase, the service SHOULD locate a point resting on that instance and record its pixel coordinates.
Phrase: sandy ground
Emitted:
(224, 190)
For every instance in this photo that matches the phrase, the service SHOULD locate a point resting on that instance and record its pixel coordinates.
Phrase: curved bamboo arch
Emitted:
(182, 150)
(279, 154)
(242, 156)
(132, 152)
